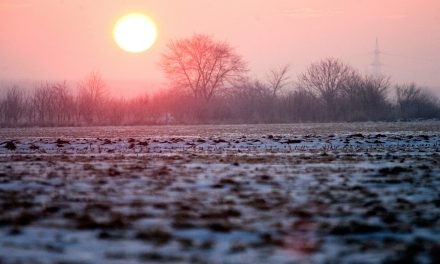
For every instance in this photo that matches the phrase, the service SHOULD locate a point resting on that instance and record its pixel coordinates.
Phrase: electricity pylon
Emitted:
(377, 64)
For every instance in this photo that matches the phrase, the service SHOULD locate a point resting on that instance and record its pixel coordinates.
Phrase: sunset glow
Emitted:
(135, 33)
(219, 131)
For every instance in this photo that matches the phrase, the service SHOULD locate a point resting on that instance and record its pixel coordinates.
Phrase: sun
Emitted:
(135, 32)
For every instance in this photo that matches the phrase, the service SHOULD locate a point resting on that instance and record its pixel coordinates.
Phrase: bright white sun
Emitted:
(135, 32)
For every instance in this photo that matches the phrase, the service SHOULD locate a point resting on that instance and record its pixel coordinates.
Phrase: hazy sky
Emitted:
(66, 39)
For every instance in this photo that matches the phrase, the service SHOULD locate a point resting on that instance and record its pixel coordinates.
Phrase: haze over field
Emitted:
(219, 131)
(71, 38)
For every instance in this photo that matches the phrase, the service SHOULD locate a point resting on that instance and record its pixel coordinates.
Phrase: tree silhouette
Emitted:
(201, 65)
(327, 79)
(92, 96)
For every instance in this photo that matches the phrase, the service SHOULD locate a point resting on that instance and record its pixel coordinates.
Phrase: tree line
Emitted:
(209, 84)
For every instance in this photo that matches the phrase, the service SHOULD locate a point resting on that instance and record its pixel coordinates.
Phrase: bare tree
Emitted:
(277, 79)
(138, 109)
(51, 104)
(201, 65)
(365, 98)
(12, 106)
(250, 100)
(327, 79)
(300, 105)
(92, 96)
(415, 102)
(63, 103)
(116, 111)
(41, 103)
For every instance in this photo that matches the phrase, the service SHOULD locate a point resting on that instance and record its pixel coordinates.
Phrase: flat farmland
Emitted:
(299, 193)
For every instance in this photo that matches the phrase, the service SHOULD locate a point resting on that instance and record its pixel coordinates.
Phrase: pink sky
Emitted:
(66, 39)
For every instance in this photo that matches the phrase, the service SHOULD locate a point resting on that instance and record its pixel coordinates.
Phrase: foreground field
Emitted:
(328, 193)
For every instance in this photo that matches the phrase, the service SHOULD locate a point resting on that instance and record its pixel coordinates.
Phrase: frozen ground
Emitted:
(315, 193)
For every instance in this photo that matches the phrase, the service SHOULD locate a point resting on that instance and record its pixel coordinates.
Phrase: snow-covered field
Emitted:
(310, 193)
